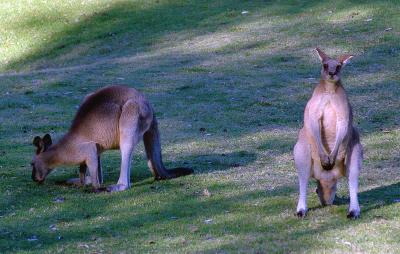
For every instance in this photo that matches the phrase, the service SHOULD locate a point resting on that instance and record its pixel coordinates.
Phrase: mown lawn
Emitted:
(229, 81)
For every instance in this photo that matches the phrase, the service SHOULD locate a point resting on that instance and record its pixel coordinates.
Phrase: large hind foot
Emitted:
(353, 214)
(117, 187)
(301, 213)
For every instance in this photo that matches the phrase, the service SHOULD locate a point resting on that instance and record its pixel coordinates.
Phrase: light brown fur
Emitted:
(114, 117)
(328, 146)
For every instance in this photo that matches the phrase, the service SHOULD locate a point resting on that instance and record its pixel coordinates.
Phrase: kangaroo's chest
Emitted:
(328, 123)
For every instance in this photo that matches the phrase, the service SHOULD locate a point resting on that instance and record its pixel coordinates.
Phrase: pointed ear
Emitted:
(38, 142)
(344, 59)
(47, 141)
(321, 54)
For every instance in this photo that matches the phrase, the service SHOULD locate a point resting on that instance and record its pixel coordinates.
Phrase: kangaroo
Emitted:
(110, 118)
(328, 146)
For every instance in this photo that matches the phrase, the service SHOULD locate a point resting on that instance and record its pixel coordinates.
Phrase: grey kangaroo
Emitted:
(328, 146)
(114, 117)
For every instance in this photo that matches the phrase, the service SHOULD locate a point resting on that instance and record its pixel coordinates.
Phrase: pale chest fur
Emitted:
(328, 124)
(330, 111)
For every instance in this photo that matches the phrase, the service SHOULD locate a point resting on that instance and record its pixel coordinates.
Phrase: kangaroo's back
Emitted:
(97, 119)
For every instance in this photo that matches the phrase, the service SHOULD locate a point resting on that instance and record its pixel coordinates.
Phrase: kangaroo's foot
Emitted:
(301, 213)
(354, 214)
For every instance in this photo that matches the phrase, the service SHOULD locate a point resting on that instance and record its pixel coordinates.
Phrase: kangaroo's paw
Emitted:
(354, 214)
(327, 165)
(301, 213)
(117, 187)
(326, 162)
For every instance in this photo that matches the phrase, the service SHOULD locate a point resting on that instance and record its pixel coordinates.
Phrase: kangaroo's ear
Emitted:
(47, 141)
(38, 142)
(321, 54)
(344, 59)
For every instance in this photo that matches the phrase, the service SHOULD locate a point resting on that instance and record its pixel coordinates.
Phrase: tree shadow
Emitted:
(183, 205)
(188, 207)
(141, 175)
(205, 163)
(379, 197)
(126, 26)
(370, 199)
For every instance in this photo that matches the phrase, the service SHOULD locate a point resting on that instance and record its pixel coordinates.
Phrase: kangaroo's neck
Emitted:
(330, 87)
(60, 153)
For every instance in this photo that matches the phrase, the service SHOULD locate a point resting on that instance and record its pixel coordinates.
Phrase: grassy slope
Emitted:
(245, 78)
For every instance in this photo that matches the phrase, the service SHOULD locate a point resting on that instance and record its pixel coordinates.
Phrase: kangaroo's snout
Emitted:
(326, 191)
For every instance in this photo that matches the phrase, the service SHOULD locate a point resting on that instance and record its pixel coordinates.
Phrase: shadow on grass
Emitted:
(203, 163)
(140, 174)
(185, 206)
(132, 26)
(371, 199)
(127, 27)
(379, 197)
(375, 198)
(300, 238)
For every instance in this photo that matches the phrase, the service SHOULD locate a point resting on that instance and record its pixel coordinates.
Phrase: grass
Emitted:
(242, 78)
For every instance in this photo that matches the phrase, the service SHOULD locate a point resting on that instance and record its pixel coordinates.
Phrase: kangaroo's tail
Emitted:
(151, 139)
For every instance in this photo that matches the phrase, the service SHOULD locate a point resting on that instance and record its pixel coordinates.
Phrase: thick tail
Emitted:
(151, 139)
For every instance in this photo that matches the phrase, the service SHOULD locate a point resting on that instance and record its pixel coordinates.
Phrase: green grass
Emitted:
(244, 78)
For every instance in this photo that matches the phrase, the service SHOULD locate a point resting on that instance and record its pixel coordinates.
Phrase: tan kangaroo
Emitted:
(328, 146)
(110, 118)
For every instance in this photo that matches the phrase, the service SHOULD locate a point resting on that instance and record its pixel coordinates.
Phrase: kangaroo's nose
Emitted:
(331, 73)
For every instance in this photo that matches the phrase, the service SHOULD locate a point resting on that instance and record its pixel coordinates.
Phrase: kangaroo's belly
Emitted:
(101, 126)
(328, 127)
(338, 171)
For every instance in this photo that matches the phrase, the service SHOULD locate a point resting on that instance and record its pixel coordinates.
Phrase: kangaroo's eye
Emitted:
(325, 66)
(338, 68)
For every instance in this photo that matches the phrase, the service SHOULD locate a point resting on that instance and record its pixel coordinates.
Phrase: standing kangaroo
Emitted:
(110, 118)
(328, 146)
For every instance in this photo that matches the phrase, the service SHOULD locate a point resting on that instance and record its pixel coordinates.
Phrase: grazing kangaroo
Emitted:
(328, 146)
(110, 118)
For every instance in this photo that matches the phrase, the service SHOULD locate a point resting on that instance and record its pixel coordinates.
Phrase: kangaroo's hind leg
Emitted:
(302, 160)
(130, 134)
(353, 167)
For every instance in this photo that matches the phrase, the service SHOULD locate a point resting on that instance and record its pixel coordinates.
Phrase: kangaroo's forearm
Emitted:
(342, 128)
(315, 126)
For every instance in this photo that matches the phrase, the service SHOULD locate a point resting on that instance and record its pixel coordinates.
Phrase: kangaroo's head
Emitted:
(40, 168)
(326, 190)
(331, 68)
